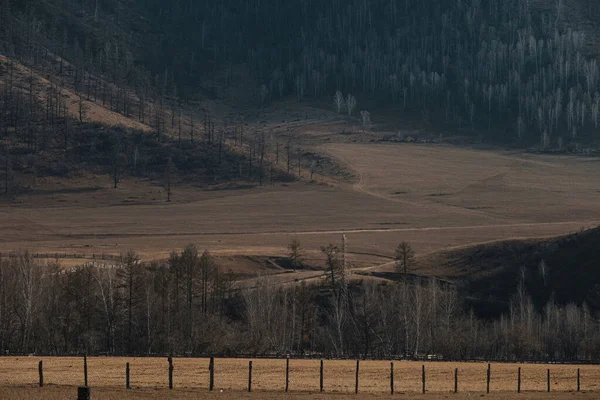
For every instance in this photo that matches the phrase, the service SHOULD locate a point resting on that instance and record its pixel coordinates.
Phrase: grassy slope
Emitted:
(489, 273)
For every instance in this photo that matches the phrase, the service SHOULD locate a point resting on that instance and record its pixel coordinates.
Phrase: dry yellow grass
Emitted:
(433, 196)
(94, 112)
(231, 375)
(61, 392)
(496, 185)
(486, 195)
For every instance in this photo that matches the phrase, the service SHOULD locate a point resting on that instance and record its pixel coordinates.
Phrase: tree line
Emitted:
(188, 305)
(40, 135)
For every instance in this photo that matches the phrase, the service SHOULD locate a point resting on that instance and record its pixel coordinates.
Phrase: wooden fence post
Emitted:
(249, 376)
(170, 359)
(578, 380)
(455, 380)
(356, 380)
(41, 372)
(487, 388)
(84, 393)
(287, 374)
(85, 372)
(392, 377)
(127, 381)
(423, 376)
(548, 379)
(321, 377)
(211, 372)
(519, 381)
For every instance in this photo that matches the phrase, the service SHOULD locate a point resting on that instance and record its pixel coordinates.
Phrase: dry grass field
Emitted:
(60, 393)
(149, 377)
(434, 196)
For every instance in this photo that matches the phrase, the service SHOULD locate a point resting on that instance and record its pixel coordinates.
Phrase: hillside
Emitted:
(51, 132)
(562, 269)
(516, 71)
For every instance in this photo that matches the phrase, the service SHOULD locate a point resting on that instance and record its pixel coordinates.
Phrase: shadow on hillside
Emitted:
(42, 192)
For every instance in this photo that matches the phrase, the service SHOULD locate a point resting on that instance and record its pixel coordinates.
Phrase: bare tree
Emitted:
(207, 268)
(299, 159)
(365, 117)
(559, 4)
(314, 164)
(405, 258)
(338, 316)
(190, 263)
(168, 178)
(106, 278)
(295, 253)
(7, 170)
(264, 94)
(192, 129)
(332, 261)
(543, 269)
(288, 149)
(350, 104)
(261, 155)
(418, 315)
(338, 101)
(29, 289)
(130, 275)
(82, 108)
(179, 125)
(117, 161)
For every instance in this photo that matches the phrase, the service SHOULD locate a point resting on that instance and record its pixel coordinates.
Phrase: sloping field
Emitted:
(94, 112)
(477, 184)
(435, 197)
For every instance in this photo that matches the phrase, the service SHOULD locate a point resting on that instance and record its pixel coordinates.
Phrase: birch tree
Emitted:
(350, 104)
(29, 288)
(338, 101)
(365, 117)
(105, 276)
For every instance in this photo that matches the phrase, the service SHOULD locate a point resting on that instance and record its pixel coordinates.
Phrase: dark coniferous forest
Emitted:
(513, 71)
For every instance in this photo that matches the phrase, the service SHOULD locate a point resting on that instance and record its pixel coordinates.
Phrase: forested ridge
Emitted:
(516, 71)
(58, 67)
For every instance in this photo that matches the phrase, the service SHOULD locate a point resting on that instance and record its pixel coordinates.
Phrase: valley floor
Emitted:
(149, 376)
(434, 196)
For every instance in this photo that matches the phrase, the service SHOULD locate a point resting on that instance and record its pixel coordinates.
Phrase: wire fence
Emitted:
(281, 375)
(93, 256)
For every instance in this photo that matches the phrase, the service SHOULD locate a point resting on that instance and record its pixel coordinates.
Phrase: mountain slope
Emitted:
(564, 269)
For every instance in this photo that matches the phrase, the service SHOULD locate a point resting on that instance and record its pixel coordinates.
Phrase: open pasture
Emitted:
(268, 376)
(433, 196)
(477, 184)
